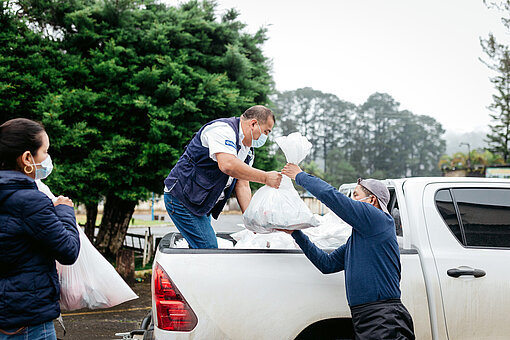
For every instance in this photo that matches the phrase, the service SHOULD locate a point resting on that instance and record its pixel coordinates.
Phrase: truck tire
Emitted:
(329, 329)
(148, 325)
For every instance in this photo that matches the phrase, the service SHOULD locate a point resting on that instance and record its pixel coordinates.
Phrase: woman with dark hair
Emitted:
(34, 232)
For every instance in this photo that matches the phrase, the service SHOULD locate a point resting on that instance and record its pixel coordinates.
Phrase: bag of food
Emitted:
(91, 282)
(281, 208)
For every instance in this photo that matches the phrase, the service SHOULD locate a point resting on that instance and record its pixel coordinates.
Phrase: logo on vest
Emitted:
(230, 143)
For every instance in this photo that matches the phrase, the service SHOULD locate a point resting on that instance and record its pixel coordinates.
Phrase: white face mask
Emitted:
(257, 143)
(45, 170)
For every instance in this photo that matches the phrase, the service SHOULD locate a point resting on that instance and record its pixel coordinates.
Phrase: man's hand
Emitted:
(273, 179)
(291, 170)
(63, 200)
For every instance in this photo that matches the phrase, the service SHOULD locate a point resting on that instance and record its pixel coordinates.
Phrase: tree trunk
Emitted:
(126, 265)
(114, 224)
(90, 225)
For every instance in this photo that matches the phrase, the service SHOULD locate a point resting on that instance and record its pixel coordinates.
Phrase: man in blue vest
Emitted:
(217, 161)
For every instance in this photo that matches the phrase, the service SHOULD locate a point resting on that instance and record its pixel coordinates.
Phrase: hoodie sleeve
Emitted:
(326, 263)
(360, 215)
(54, 228)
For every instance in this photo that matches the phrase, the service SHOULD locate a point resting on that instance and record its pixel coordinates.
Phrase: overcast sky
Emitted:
(423, 53)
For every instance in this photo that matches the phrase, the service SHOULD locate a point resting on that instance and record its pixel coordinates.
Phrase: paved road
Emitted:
(226, 223)
(104, 323)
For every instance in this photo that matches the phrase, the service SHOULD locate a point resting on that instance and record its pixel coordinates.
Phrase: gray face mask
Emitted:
(45, 170)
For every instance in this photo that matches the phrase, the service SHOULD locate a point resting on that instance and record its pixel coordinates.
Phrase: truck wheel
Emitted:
(329, 329)
(148, 325)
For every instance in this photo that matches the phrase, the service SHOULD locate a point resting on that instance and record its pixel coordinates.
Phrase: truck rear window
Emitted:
(477, 217)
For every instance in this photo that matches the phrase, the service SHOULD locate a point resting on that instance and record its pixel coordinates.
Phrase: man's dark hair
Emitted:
(260, 113)
(366, 191)
(369, 193)
(17, 136)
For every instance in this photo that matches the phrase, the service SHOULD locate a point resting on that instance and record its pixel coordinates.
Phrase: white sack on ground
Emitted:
(281, 208)
(91, 282)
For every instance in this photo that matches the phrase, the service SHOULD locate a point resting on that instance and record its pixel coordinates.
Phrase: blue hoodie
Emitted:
(370, 258)
(33, 234)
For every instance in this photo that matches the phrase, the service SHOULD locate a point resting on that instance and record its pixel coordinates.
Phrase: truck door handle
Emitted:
(456, 272)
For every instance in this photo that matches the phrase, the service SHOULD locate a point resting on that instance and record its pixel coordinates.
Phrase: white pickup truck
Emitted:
(455, 252)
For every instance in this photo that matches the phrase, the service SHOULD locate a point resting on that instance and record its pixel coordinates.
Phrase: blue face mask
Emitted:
(257, 143)
(45, 170)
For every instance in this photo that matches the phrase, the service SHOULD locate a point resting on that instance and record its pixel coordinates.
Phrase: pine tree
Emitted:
(499, 62)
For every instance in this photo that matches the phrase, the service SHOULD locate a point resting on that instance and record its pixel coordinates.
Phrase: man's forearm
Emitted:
(340, 204)
(326, 263)
(243, 194)
(355, 213)
(238, 169)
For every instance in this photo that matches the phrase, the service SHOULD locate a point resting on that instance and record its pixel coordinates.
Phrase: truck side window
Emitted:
(485, 215)
(444, 204)
(394, 212)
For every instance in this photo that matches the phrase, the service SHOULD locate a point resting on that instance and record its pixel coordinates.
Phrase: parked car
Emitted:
(455, 249)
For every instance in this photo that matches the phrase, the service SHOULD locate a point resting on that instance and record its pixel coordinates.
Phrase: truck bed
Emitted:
(238, 293)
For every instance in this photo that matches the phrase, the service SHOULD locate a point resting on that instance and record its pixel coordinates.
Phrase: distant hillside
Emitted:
(476, 139)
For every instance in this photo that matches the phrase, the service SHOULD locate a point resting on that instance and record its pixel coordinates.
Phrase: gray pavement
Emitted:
(226, 223)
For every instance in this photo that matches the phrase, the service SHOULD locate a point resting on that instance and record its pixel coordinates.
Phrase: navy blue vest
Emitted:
(197, 181)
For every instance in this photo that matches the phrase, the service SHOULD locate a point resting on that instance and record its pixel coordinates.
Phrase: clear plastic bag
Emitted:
(281, 208)
(246, 239)
(331, 233)
(295, 147)
(91, 282)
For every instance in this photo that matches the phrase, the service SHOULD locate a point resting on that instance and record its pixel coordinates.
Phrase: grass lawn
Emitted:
(83, 218)
(149, 223)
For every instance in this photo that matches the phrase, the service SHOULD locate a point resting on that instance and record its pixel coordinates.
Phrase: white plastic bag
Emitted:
(281, 208)
(222, 243)
(246, 239)
(331, 233)
(295, 147)
(91, 282)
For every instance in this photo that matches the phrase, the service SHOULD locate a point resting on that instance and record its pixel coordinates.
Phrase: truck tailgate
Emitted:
(252, 294)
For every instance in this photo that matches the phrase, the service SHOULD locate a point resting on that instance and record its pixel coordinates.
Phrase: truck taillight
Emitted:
(173, 312)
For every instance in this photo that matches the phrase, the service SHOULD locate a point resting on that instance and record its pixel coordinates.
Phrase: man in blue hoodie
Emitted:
(370, 258)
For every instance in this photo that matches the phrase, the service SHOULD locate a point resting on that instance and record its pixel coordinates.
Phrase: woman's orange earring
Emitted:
(31, 169)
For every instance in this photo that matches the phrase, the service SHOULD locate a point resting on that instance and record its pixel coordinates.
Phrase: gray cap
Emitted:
(378, 189)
